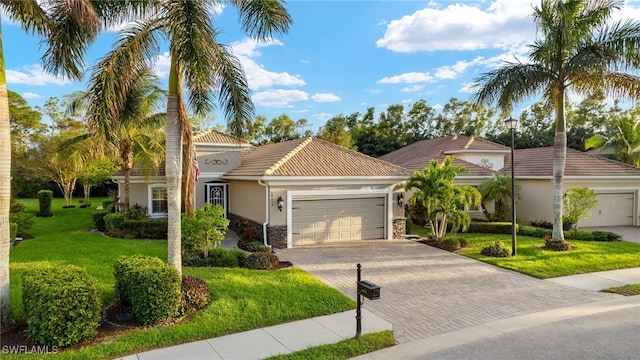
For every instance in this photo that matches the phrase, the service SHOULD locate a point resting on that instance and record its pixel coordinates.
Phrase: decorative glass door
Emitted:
(217, 194)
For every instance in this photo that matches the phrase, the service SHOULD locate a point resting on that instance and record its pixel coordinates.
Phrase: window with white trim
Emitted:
(158, 200)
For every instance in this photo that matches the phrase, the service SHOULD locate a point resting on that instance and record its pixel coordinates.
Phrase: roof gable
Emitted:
(312, 157)
(213, 136)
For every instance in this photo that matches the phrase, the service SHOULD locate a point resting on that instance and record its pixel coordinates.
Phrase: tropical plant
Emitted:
(444, 202)
(498, 189)
(202, 65)
(66, 29)
(623, 140)
(579, 50)
(577, 202)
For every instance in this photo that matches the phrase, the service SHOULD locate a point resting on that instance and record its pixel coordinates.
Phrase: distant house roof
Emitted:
(418, 155)
(312, 157)
(539, 162)
(218, 137)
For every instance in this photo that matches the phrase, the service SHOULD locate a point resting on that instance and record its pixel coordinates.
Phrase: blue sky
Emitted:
(339, 56)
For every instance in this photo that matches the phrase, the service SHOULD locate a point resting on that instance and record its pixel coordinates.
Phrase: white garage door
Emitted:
(320, 221)
(612, 210)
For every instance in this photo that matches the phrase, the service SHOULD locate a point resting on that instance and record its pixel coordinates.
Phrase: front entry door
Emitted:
(217, 194)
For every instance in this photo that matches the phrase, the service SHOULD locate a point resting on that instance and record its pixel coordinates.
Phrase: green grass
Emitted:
(343, 350)
(531, 259)
(626, 290)
(242, 299)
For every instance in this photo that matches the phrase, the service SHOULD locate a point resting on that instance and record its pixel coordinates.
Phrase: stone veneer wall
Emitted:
(277, 236)
(235, 219)
(399, 227)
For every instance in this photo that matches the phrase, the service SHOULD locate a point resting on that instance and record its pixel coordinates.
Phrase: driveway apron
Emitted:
(426, 291)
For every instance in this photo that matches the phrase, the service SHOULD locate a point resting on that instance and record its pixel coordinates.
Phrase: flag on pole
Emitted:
(196, 168)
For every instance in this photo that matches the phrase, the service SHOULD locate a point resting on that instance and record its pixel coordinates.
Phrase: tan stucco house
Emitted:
(298, 192)
(617, 184)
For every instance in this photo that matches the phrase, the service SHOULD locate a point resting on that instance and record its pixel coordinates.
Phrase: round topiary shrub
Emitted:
(450, 244)
(62, 305)
(495, 250)
(261, 261)
(195, 294)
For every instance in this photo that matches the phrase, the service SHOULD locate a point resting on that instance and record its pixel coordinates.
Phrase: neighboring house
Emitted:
(297, 192)
(617, 184)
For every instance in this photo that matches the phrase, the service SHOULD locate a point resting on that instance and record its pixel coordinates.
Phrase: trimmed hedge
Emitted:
(261, 261)
(44, 200)
(218, 257)
(583, 235)
(491, 227)
(98, 220)
(145, 229)
(113, 221)
(253, 246)
(150, 286)
(62, 305)
(25, 222)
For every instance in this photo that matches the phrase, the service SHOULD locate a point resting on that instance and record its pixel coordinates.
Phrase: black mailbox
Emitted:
(369, 290)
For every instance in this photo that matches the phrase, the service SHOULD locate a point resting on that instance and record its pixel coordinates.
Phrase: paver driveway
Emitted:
(426, 291)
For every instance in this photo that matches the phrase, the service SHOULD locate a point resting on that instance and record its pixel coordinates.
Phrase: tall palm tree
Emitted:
(67, 27)
(578, 50)
(201, 64)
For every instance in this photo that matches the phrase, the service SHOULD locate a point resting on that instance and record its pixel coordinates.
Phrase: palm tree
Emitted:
(67, 28)
(443, 202)
(199, 63)
(498, 189)
(577, 50)
(624, 139)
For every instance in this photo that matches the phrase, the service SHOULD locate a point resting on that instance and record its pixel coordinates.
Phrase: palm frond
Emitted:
(28, 13)
(263, 19)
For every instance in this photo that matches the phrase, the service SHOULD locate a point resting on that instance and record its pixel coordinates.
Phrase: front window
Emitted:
(158, 200)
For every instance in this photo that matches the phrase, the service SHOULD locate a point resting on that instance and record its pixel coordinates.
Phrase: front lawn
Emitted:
(242, 299)
(345, 349)
(531, 259)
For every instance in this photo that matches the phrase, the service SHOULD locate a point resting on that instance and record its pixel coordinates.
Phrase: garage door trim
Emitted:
(338, 194)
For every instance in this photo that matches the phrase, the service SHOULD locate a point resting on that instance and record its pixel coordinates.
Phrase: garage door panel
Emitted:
(337, 220)
(613, 209)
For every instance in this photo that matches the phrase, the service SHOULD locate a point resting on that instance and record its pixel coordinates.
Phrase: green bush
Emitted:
(605, 236)
(491, 227)
(62, 305)
(136, 212)
(450, 244)
(535, 232)
(495, 250)
(144, 229)
(195, 294)
(98, 220)
(13, 232)
(109, 205)
(15, 206)
(113, 221)
(217, 258)
(253, 246)
(25, 222)
(261, 261)
(44, 200)
(205, 230)
(150, 286)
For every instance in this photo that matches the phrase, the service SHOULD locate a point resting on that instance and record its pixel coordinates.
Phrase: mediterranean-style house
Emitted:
(298, 192)
(617, 184)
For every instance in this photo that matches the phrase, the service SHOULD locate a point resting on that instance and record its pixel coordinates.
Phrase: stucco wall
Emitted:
(138, 194)
(246, 199)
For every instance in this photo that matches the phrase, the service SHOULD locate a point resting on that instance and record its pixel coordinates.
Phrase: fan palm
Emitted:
(67, 27)
(201, 64)
(577, 50)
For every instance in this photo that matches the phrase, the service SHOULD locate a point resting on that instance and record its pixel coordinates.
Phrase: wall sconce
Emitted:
(280, 203)
(400, 199)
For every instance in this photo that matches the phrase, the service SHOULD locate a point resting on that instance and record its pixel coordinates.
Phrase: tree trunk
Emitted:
(86, 187)
(173, 170)
(188, 158)
(559, 156)
(127, 166)
(5, 193)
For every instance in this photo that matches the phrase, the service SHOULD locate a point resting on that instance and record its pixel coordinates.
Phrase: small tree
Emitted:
(443, 201)
(205, 230)
(577, 201)
(498, 189)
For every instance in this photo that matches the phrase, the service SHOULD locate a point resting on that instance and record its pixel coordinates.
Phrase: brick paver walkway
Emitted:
(427, 291)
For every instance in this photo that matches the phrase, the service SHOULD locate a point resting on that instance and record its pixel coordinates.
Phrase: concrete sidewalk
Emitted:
(600, 280)
(273, 340)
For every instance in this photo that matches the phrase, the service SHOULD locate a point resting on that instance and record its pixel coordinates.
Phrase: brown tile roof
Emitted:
(418, 155)
(213, 136)
(539, 162)
(312, 157)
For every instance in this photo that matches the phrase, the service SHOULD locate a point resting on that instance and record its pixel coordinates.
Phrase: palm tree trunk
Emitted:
(188, 162)
(559, 156)
(5, 193)
(173, 169)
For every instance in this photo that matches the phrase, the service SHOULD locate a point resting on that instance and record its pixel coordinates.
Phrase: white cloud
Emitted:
(408, 78)
(322, 116)
(279, 98)
(412, 88)
(162, 65)
(34, 75)
(467, 88)
(325, 97)
(30, 95)
(461, 27)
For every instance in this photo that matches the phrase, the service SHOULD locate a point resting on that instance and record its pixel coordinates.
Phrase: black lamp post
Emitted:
(511, 125)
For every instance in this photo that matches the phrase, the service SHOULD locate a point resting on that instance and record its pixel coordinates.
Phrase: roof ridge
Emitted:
(359, 154)
(288, 156)
(468, 144)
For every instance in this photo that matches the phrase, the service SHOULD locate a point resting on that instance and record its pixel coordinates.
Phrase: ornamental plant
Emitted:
(577, 201)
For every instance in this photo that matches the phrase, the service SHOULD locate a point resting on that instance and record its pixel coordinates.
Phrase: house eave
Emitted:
(329, 180)
(446, 152)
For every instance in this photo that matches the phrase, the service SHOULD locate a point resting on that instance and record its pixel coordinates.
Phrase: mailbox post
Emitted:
(367, 289)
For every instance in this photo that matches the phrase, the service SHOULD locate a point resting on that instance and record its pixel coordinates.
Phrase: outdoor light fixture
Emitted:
(400, 199)
(280, 203)
(511, 125)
